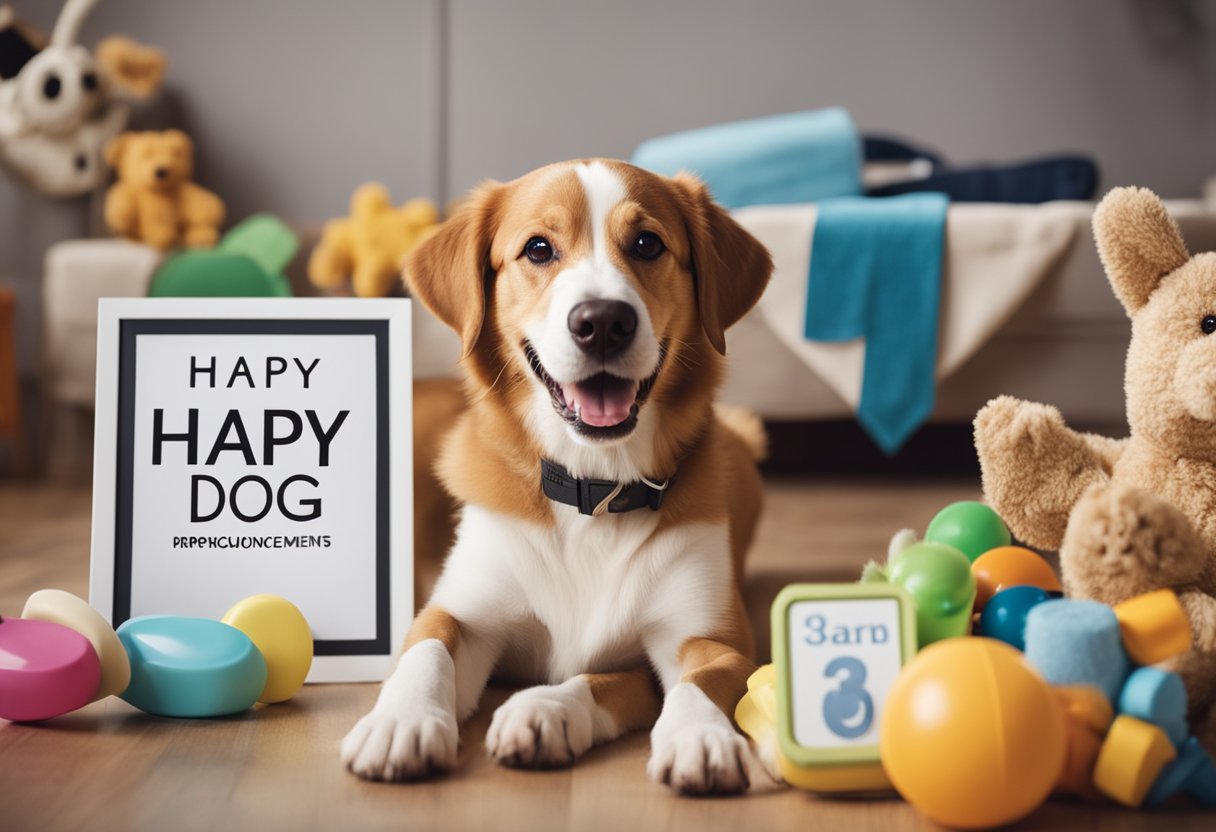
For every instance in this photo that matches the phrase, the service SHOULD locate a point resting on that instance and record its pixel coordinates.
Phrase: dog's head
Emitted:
(593, 287)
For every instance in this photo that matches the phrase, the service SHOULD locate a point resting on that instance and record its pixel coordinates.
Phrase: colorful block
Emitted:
(1077, 643)
(1157, 696)
(1155, 627)
(1202, 784)
(837, 649)
(1084, 745)
(1132, 758)
(1086, 705)
(1177, 776)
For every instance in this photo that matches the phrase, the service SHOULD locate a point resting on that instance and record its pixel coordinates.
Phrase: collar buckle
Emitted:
(593, 497)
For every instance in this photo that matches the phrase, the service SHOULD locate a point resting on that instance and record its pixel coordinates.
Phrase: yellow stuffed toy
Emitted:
(154, 200)
(368, 247)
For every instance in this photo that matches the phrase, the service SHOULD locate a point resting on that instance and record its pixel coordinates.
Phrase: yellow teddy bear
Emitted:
(154, 200)
(368, 247)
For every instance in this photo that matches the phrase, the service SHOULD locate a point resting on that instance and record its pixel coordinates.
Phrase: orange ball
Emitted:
(971, 735)
(1007, 566)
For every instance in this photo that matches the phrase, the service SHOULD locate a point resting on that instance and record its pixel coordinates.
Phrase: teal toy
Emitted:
(972, 528)
(1191, 772)
(1157, 696)
(939, 579)
(190, 667)
(1004, 616)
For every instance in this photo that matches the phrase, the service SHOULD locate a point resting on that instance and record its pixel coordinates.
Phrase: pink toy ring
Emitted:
(46, 670)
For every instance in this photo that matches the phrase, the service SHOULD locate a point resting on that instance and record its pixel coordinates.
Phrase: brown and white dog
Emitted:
(591, 298)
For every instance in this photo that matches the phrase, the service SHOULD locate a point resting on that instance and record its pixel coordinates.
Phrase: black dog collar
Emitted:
(596, 497)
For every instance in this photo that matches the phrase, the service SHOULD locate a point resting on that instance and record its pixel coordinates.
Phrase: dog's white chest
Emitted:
(586, 594)
(590, 582)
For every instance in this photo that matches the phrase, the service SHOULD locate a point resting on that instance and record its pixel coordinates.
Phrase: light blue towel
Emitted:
(778, 160)
(876, 274)
(875, 263)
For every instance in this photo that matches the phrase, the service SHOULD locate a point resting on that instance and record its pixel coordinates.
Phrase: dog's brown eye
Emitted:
(648, 246)
(538, 250)
(1208, 324)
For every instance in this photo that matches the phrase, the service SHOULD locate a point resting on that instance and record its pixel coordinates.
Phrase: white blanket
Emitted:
(996, 254)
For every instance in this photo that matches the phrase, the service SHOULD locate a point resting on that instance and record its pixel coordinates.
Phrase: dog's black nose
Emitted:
(602, 327)
(161, 173)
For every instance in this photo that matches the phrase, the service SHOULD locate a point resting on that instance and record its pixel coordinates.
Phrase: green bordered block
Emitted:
(837, 649)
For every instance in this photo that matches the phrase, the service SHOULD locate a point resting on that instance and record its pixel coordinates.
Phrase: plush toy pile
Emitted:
(1133, 515)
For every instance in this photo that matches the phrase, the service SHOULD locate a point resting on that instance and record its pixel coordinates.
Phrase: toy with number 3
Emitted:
(837, 649)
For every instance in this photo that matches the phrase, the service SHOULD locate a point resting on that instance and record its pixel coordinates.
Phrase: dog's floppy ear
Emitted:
(730, 266)
(1139, 243)
(448, 272)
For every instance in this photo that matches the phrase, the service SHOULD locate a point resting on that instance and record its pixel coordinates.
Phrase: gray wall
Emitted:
(293, 102)
(1133, 83)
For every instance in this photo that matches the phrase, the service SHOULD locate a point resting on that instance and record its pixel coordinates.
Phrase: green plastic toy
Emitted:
(972, 528)
(939, 579)
(247, 263)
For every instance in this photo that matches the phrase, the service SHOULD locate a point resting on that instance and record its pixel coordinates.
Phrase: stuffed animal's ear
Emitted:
(449, 271)
(115, 147)
(130, 66)
(730, 266)
(1139, 244)
(17, 45)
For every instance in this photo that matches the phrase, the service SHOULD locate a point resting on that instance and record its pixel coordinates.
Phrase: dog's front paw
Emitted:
(701, 759)
(388, 746)
(542, 727)
(695, 750)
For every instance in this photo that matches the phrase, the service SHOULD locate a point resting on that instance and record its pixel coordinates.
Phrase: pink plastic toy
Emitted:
(46, 670)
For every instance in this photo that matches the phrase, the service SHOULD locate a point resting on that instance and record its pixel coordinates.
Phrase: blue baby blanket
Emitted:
(876, 274)
(875, 268)
(778, 160)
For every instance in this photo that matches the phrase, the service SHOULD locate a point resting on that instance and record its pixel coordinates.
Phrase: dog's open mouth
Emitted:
(602, 406)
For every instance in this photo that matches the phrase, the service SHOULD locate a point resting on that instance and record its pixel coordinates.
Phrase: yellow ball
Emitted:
(281, 632)
(971, 735)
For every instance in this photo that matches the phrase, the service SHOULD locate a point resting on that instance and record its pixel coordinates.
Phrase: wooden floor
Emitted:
(111, 767)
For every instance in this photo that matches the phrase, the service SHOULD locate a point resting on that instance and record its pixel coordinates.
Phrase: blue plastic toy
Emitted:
(190, 667)
(1191, 772)
(1157, 696)
(1004, 616)
(1077, 643)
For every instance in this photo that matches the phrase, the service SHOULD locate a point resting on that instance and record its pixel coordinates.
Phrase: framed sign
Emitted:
(248, 446)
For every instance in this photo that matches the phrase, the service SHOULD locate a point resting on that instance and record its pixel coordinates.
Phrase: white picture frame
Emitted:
(189, 518)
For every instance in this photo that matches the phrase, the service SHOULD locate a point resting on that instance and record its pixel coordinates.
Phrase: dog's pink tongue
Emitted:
(601, 401)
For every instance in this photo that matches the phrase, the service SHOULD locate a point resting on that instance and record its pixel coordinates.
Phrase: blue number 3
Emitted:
(848, 710)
